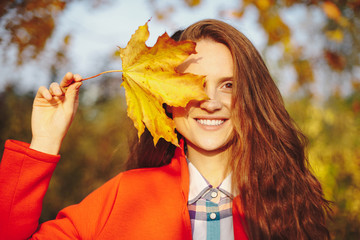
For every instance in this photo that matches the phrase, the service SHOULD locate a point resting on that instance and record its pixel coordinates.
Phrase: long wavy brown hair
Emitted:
(280, 196)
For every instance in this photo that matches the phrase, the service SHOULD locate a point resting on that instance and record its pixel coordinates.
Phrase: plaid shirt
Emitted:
(210, 208)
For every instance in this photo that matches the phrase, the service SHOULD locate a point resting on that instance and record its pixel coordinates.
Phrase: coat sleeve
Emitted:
(24, 178)
(85, 220)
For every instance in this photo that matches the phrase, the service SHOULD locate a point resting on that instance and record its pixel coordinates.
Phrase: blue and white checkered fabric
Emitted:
(210, 208)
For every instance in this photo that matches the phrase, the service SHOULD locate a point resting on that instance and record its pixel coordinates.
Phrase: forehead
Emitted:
(212, 59)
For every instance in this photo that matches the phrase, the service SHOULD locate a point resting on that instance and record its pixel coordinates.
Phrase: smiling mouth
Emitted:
(212, 122)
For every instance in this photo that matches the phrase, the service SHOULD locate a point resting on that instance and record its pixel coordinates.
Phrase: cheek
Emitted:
(179, 112)
(228, 103)
(226, 100)
(182, 126)
(180, 118)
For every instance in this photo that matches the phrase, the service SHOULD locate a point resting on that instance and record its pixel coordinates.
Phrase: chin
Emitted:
(211, 145)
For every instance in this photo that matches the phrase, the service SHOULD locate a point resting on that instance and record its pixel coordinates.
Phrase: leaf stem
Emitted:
(100, 74)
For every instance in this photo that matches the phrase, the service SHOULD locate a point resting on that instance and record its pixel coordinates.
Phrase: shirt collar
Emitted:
(199, 185)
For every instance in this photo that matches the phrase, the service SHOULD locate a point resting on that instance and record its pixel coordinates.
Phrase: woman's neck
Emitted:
(211, 164)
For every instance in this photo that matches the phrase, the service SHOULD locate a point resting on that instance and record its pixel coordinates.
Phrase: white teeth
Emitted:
(209, 122)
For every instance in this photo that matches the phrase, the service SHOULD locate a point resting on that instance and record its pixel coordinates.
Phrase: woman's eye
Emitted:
(228, 85)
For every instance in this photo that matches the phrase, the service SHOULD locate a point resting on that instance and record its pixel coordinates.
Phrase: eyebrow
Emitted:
(224, 79)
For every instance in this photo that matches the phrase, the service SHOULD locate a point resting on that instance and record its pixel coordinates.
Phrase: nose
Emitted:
(210, 105)
(213, 103)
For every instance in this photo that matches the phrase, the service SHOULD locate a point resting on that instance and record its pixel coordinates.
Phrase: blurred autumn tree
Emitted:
(29, 24)
(329, 54)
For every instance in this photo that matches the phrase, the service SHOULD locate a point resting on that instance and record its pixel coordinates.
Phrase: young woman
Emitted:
(240, 173)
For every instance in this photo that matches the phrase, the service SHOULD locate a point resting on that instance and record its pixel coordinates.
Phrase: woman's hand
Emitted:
(53, 111)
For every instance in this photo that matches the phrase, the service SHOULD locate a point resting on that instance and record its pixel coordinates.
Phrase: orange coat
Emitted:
(138, 204)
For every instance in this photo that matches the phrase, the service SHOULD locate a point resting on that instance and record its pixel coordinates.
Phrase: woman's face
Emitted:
(207, 125)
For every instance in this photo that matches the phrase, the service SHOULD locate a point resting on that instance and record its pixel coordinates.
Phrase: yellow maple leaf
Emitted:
(150, 80)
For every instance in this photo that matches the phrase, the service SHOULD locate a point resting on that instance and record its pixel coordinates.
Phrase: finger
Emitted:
(77, 78)
(73, 89)
(43, 92)
(67, 80)
(55, 89)
(72, 96)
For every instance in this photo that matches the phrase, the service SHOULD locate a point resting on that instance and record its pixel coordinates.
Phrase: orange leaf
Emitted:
(275, 27)
(193, 3)
(150, 79)
(335, 60)
(331, 10)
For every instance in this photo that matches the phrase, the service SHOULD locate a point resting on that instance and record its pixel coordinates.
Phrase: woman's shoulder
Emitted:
(133, 185)
(168, 178)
